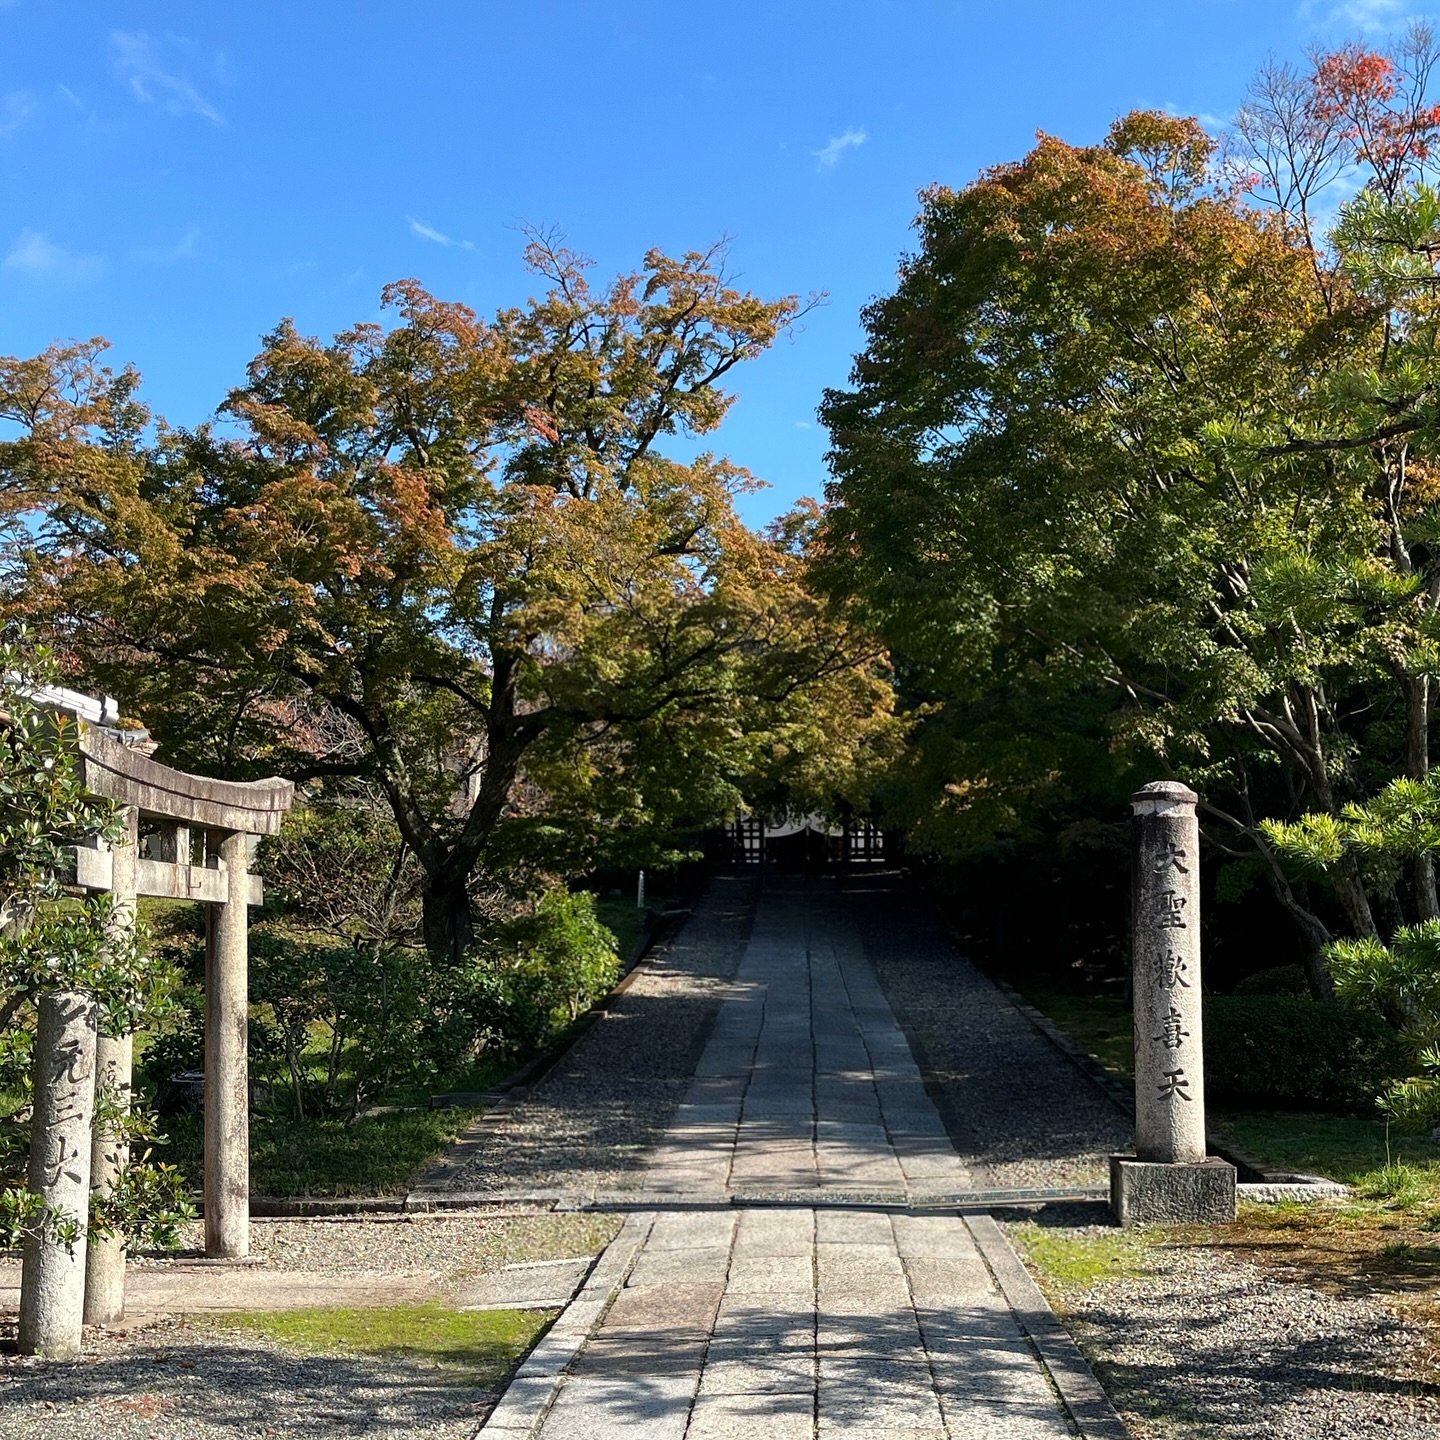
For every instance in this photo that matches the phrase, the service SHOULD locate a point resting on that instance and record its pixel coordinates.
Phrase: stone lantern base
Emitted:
(1149, 1192)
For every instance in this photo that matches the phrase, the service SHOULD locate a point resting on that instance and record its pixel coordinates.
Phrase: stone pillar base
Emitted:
(1148, 1192)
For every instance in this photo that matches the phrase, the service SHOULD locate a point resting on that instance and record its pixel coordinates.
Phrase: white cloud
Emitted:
(1208, 119)
(436, 237)
(71, 96)
(15, 110)
(1367, 16)
(138, 62)
(37, 256)
(829, 157)
(803, 425)
(185, 248)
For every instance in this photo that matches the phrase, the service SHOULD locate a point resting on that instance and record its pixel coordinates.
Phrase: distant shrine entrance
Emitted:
(804, 844)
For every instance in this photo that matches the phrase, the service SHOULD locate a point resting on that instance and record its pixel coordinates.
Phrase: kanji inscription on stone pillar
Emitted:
(1169, 1063)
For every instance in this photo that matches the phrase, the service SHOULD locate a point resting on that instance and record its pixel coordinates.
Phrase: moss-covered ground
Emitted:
(479, 1347)
(1072, 1260)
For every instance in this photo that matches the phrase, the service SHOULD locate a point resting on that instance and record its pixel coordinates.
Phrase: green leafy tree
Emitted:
(449, 557)
(1135, 470)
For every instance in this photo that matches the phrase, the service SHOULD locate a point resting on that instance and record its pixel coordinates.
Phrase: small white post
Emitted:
(640, 892)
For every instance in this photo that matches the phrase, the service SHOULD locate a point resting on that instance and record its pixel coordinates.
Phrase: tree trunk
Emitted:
(448, 923)
(297, 1083)
(1417, 766)
(1350, 890)
(1313, 933)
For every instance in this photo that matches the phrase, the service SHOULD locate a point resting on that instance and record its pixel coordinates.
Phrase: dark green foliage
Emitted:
(1278, 980)
(1288, 1051)
(179, 1047)
(542, 970)
(375, 1155)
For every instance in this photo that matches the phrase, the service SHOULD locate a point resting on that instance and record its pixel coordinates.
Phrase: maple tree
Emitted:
(449, 556)
(1138, 464)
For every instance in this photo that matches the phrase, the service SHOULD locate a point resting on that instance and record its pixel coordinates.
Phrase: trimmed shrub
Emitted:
(1281, 980)
(1277, 1050)
(539, 972)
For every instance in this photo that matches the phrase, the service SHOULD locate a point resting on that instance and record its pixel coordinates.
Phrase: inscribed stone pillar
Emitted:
(1169, 1065)
(109, 1153)
(227, 1099)
(52, 1279)
(1169, 1180)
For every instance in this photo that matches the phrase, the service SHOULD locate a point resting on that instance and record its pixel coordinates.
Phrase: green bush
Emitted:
(1287, 1051)
(1280, 980)
(541, 970)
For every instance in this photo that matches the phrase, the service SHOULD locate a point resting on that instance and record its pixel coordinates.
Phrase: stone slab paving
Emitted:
(768, 1324)
(807, 1082)
(800, 1321)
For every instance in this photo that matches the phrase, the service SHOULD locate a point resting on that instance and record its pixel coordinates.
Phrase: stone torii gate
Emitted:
(188, 837)
(199, 849)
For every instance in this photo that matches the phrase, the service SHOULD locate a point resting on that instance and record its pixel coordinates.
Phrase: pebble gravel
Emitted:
(175, 1380)
(180, 1381)
(587, 1125)
(1017, 1110)
(446, 1245)
(1206, 1344)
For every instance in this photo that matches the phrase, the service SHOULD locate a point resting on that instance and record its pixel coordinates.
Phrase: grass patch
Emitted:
(1347, 1148)
(625, 920)
(1079, 1262)
(478, 1347)
(1402, 1186)
(481, 1076)
(377, 1155)
(1101, 1024)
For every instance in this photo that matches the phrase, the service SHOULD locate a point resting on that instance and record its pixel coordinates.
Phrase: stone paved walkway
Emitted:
(794, 1321)
(807, 1081)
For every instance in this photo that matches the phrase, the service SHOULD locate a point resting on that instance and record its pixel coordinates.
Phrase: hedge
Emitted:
(1280, 980)
(1276, 1050)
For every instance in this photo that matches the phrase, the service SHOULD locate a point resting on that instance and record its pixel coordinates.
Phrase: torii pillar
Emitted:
(227, 1069)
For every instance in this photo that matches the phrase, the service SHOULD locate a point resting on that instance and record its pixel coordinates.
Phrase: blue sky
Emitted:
(179, 176)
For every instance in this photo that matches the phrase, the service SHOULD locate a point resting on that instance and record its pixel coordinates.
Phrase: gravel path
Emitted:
(587, 1125)
(1019, 1113)
(179, 1381)
(449, 1246)
(1205, 1343)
